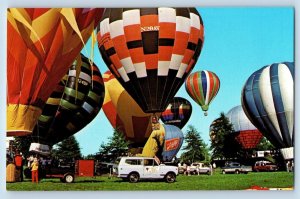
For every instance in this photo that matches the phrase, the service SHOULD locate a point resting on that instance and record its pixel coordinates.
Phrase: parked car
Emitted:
(264, 166)
(235, 167)
(135, 168)
(202, 168)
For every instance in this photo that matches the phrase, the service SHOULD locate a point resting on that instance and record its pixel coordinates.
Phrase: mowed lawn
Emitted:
(203, 182)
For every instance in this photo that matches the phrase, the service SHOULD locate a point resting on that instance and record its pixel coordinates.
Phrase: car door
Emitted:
(151, 168)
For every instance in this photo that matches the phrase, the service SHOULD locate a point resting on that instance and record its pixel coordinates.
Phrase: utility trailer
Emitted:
(67, 174)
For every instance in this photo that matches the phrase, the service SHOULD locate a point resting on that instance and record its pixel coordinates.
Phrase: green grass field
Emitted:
(202, 182)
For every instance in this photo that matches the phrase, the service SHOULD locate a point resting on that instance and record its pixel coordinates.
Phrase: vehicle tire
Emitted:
(237, 172)
(170, 177)
(69, 178)
(62, 179)
(133, 177)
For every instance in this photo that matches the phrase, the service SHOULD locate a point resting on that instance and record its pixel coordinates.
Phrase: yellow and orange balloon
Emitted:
(124, 113)
(42, 43)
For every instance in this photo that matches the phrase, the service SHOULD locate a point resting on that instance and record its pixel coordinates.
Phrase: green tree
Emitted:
(223, 144)
(22, 144)
(264, 145)
(116, 146)
(68, 149)
(195, 148)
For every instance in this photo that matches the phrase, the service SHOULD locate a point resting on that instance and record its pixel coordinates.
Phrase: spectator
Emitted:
(30, 160)
(34, 170)
(19, 165)
(198, 169)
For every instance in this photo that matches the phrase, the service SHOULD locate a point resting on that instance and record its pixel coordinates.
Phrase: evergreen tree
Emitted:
(115, 147)
(195, 148)
(223, 144)
(22, 144)
(264, 145)
(68, 149)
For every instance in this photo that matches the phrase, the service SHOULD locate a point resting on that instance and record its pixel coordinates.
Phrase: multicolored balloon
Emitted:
(268, 101)
(202, 86)
(42, 43)
(74, 103)
(164, 143)
(124, 113)
(151, 50)
(177, 113)
(247, 135)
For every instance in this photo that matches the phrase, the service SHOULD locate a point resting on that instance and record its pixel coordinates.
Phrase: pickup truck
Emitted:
(202, 168)
(235, 167)
(135, 168)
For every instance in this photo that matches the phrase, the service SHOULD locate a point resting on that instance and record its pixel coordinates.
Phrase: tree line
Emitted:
(223, 145)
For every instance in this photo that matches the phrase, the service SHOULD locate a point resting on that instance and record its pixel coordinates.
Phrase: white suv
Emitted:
(136, 168)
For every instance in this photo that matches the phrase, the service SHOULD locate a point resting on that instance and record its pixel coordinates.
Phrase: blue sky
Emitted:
(238, 41)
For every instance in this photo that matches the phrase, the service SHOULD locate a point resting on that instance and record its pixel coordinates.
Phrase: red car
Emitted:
(264, 166)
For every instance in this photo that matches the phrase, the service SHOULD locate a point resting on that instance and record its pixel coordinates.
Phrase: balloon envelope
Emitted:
(268, 101)
(42, 43)
(247, 134)
(202, 87)
(74, 103)
(169, 138)
(124, 113)
(177, 113)
(151, 50)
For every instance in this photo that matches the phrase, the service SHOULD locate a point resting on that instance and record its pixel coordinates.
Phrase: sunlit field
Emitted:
(203, 182)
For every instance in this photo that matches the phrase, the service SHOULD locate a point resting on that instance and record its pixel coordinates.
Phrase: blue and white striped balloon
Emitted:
(268, 101)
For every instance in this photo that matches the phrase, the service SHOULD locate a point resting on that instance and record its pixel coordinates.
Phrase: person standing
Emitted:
(35, 170)
(19, 166)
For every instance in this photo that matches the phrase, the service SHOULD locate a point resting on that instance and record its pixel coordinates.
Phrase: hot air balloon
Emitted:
(268, 101)
(247, 135)
(177, 113)
(74, 103)
(124, 113)
(164, 143)
(202, 87)
(42, 43)
(151, 51)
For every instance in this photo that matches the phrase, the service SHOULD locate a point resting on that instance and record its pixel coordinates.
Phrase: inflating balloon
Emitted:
(202, 86)
(151, 51)
(74, 103)
(177, 113)
(164, 143)
(124, 113)
(268, 101)
(42, 43)
(247, 135)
